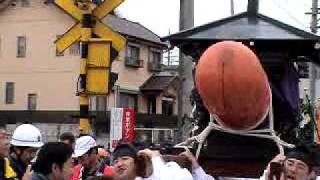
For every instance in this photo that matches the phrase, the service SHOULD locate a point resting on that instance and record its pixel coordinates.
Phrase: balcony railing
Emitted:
(154, 66)
(133, 62)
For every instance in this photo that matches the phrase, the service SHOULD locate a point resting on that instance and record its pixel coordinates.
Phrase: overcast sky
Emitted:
(162, 15)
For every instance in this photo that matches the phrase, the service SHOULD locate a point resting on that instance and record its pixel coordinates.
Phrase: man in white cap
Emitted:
(86, 151)
(25, 142)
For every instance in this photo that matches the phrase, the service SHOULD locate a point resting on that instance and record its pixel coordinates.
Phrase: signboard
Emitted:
(128, 124)
(122, 123)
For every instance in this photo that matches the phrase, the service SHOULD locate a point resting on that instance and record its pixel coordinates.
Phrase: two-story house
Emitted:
(38, 85)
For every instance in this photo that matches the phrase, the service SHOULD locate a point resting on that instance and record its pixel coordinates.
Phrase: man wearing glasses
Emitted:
(25, 142)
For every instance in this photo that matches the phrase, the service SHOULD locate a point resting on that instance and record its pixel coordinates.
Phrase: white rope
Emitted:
(261, 133)
(184, 147)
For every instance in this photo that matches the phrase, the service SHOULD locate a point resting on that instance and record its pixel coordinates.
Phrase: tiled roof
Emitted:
(158, 82)
(130, 28)
(244, 26)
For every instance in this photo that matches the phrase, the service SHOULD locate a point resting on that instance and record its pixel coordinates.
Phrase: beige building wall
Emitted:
(41, 72)
(52, 78)
(131, 78)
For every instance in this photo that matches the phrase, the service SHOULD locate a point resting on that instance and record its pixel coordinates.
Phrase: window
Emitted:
(25, 3)
(93, 103)
(57, 52)
(21, 46)
(167, 107)
(32, 102)
(75, 49)
(98, 103)
(152, 105)
(133, 52)
(148, 136)
(9, 93)
(143, 136)
(133, 57)
(156, 57)
(101, 103)
(129, 101)
(155, 61)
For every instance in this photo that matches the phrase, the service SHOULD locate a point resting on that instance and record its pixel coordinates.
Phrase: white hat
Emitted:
(27, 135)
(83, 145)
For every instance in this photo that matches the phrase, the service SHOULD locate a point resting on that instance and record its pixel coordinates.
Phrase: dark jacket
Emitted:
(6, 171)
(38, 176)
(18, 166)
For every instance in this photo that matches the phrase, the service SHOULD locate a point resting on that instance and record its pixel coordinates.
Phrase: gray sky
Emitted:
(162, 15)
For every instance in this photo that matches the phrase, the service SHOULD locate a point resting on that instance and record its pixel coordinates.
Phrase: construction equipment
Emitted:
(95, 52)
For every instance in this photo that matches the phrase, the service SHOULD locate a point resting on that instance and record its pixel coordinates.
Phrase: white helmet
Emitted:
(27, 135)
(83, 145)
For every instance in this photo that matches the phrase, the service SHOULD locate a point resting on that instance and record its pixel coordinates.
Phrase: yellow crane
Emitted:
(95, 63)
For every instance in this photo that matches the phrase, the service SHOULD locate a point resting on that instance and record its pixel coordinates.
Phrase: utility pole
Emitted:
(169, 52)
(232, 7)
(313, 70)
(185, 68)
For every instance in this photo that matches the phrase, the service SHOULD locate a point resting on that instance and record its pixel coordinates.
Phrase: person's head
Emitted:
(86, 151)
(4, 143)
(25, 142)
(124, 161)
(298, 164)
(68, 138)
(54, 161)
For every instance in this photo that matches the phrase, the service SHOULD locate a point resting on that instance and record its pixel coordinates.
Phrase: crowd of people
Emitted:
(26, 157)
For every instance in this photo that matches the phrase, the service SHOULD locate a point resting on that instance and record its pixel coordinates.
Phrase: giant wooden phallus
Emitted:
(233, 85)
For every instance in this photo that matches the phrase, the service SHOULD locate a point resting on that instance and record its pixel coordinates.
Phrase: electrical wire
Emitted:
(301, 2)
(290, 15)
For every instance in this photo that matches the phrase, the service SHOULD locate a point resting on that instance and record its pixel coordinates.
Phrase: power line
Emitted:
(290, 15)
(299, 2)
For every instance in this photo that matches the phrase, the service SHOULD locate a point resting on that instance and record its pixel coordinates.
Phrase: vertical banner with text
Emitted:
(122, 123)
(128, 124)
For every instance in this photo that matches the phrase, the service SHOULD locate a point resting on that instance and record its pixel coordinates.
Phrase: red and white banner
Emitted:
(128, 124)
(122, 123)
